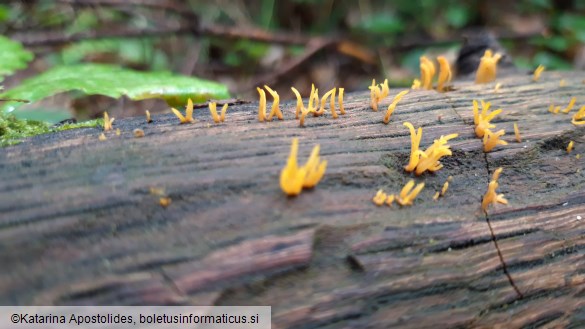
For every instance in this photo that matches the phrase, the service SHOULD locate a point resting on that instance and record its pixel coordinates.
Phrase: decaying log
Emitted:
(79, 225)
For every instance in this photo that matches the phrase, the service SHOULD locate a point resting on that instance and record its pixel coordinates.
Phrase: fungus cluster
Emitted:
(486, 72)
(275, 110)
(294, 178)
(427, 73)
(312, 106)
(188, 118)
(490, 196)
(213, 111)
(378, 93)
(579, 117)
(406, 197)
(108, 122)
(421, 161)
(483, 126)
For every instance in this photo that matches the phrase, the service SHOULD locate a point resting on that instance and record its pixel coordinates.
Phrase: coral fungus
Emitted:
(490, 196)
(444, 73)
(429, 159)
(427, 72)
(486, 72)
(482, 120)
(107, 122)
(188, 118)
(537, 73)
(392, 106)
(408, 194)
(293, 178)
(579, 117)
(491, 140)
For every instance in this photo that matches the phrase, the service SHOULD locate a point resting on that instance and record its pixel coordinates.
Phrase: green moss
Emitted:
(13, 130)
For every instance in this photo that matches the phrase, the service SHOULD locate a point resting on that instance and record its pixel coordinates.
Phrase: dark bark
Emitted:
(78, 224)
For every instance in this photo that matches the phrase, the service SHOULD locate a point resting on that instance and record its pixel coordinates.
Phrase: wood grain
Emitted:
(78, 224)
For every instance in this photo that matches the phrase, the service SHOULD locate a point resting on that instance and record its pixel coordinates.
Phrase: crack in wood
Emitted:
(493, 236)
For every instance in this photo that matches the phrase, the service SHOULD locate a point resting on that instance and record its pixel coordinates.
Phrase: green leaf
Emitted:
(113, 81)
(13, 57)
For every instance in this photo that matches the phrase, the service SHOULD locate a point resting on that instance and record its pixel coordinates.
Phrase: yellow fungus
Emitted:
(433, 154)
(314, 103)
(390, 199)
(312, 106)
(148, 119)
(562, 83)
(436, 196)
(118, 132)
(570, 106)
(427, 72)
(164, 201)
(291, 176)
(579, 117)
(445, 188)
(275, 110)
(482, 120)
(107, 122)
(377, 94)
(329, 94)
(486, 72)
(557, 109)
(385, 90)
(340, 101)
(497, 87)
(578, 156)
(538, 72)
(315, 168)
(444, 73)
(392, 106)
(379, 198)
(299, 102)
(188, 118)
(415, 153)
(517, 133)
(570, 146)
(138, 133)
(261, 105)
(491, 140)
(415, 84)
(408, 194)
(213, 111)
(491, 196)
(223, 112)
(102, 137)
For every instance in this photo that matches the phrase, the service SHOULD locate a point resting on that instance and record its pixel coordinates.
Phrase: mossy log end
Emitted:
(79, 225)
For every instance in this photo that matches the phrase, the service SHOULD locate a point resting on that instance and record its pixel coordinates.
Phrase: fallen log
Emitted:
(81, 220)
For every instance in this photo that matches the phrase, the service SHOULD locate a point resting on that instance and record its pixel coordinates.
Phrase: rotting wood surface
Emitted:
(79, 226)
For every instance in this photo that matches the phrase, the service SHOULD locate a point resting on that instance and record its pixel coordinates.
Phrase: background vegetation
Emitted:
(245, 43)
